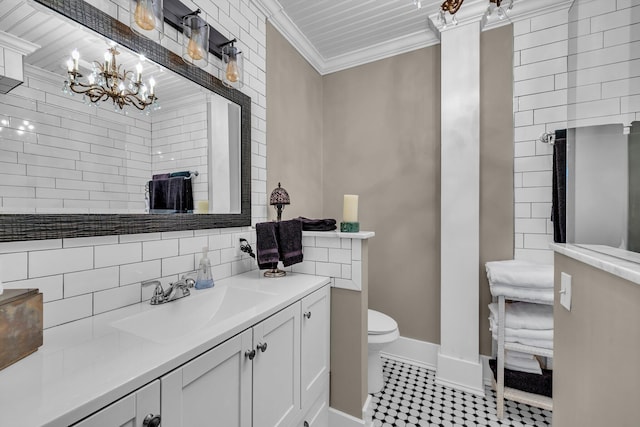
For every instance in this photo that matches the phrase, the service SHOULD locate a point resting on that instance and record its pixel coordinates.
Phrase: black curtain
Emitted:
(559, 202)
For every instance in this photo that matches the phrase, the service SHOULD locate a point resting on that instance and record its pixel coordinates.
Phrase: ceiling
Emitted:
(337, 34)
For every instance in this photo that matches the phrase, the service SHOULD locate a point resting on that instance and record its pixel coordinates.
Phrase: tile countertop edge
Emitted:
(618, 267)
(360, 235)
(47, 409)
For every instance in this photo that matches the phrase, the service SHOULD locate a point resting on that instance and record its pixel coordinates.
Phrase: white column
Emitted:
(459, 364)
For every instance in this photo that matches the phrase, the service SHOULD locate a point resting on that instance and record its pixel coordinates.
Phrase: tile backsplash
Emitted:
(87, 276)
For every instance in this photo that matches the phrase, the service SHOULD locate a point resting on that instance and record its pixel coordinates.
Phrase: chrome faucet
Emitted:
(176, 290)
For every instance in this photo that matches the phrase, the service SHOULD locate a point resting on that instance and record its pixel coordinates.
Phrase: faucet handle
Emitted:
(158, 292)
(189, 281)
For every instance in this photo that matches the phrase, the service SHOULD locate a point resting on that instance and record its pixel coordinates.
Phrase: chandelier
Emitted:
(108, 80)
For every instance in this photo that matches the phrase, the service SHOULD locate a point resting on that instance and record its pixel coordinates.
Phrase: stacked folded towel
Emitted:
(519, 279)
(523, 362)
(525, 323)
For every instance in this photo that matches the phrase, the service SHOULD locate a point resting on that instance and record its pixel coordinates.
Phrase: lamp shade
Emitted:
(233, 62)
(279, 196)
(195, 40)
(147, 18)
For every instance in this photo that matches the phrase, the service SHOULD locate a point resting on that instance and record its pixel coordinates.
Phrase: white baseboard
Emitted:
(425, 354)
(340, 419)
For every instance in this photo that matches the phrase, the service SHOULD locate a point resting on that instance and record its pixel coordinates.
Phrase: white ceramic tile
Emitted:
(550, 115)
(89, 241)
(558, 49)
(192, 245)
(67, 310)
(142, 237)
(220, 241)
(308, 241)
(540, 69)
(13, 266)
(519, 241)
(327, 242)
(242, 266)
(621, 35)
(537, 241)
(346, 271)
(356, 249)
(316, 254)
(541, 210)
(533, 194)
(534, 255)
(345, 243)
(522, 210)
(228, 255)
(530, 225)
(30, 245)
(344, 284)
(84, 282)
(177, 234)
(50, 286)
(533, 164)
(119, 297)
(537, 179)
(50, 262)
(178, 265)
(140, 271)
(539, 38)
(605, 107)
(305, 267)
(125, 253)
(221, 271)
(328, 269)
(342, 256)
(159, 249)
(523, 118)
(548, 20)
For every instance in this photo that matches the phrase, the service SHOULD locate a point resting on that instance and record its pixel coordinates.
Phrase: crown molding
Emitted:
(16, 44)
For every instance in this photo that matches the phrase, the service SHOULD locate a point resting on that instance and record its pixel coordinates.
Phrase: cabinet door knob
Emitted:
(250, 354)
(151, 421)
(307, 315)
(262, 347)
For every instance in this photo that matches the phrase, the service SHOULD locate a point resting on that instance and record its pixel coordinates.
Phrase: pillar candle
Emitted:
(350, 211)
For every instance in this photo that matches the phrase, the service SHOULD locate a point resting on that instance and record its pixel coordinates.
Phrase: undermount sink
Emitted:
(168, 322)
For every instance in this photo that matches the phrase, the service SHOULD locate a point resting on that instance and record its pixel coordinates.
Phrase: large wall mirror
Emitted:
(71, 168)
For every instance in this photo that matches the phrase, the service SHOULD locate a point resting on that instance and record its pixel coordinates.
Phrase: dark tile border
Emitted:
(45, 226)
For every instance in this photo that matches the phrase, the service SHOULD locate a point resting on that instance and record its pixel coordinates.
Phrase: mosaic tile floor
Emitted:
(411, 398)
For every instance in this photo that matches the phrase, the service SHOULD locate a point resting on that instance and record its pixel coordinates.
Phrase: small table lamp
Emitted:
(279, 198)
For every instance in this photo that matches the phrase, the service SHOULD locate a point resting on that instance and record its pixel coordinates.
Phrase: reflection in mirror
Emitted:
(65, 154)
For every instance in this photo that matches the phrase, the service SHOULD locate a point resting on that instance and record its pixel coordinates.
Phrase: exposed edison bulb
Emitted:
(194, 50)
(231, 72)
(144, 15)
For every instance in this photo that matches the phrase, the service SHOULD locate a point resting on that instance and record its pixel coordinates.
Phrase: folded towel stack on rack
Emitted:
(279, 241)
(171, 192)
(527, 324)
(521, 280)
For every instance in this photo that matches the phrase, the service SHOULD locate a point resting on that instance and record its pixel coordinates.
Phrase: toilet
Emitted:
(383, 330)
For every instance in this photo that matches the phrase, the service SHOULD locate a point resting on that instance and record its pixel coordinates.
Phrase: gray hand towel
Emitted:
(267, 245)
(290, 241)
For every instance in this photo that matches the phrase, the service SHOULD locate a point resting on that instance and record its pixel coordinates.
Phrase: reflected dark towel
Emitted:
(317, 224)
(173, 194)
(559, 198)
(185, 174)
(160, 176)
(290, 241)
(267, 245)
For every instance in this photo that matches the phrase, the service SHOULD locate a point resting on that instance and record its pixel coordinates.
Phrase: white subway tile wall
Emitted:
(89, 150)
(567, 73)
(540, 105)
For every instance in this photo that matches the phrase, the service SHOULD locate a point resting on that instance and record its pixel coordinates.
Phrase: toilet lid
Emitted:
(380, 323)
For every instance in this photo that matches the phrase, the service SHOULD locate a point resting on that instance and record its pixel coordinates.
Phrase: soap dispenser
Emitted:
(205, 279)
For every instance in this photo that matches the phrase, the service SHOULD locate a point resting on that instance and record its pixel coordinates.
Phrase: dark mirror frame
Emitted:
(18, 227)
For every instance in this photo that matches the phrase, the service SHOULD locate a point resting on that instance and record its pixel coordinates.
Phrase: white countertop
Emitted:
(360, 235)
(612, 260)
(85, 365)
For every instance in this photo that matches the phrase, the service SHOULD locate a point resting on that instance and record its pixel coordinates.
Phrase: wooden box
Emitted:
(20, 324)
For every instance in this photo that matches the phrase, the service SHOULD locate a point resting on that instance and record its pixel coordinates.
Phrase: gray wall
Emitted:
(294, 128)
(596, 346)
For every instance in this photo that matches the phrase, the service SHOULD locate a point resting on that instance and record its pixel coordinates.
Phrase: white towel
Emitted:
(543, 296)
(515, 361)
(520, 273)
(524, 315)
(546, 344)
(528, 334)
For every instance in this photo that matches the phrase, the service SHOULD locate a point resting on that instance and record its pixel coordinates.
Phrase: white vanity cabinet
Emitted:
(271, 375)
(130, 411)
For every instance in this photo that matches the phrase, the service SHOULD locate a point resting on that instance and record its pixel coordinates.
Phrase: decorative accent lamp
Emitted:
(234, 65)
(195, 40)
(147, 18)
(279, 198)
(350, 222)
